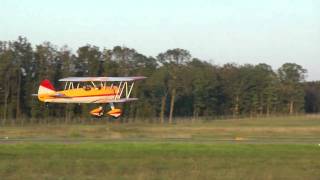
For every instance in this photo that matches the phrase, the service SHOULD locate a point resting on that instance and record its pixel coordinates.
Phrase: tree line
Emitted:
(178, 85)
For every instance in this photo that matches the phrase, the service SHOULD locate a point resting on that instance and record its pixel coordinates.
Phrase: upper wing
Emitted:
(86, 79)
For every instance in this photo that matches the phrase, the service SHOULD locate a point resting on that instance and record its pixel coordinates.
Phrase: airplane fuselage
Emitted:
(81, 95)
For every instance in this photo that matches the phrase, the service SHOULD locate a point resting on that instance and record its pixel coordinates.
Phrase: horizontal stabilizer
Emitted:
(55, 95)
(59, 95)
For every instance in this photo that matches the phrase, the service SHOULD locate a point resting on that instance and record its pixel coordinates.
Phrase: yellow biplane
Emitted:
(100, 90)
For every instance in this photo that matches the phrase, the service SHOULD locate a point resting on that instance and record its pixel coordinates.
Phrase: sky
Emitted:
(218, 31)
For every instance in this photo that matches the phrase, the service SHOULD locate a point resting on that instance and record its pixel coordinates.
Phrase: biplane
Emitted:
(98, 90)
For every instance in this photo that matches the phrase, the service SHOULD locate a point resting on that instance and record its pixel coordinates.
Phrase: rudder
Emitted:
(46, 87)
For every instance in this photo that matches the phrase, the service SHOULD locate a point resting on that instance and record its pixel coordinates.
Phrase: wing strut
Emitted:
(124, 87)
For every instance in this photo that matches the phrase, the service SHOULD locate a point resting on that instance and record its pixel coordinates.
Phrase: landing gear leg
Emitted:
(115, 113)
(111, 106)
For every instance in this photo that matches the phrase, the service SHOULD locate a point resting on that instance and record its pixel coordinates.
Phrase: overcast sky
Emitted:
(240, 31)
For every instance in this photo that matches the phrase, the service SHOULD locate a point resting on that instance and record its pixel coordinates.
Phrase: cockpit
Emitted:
(87, 85)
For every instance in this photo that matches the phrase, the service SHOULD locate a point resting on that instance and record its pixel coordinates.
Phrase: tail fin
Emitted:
(45, 87)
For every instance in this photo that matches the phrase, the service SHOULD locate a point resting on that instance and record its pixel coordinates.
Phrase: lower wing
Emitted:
(122, 100)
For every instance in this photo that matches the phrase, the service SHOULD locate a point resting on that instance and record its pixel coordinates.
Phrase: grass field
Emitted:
(159, 161)
(267, 148)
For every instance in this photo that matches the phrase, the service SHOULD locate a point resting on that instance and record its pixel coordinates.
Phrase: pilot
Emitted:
(87, 87)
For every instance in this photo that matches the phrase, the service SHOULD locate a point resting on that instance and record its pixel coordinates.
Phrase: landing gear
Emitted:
(114, 112)
(99, 112)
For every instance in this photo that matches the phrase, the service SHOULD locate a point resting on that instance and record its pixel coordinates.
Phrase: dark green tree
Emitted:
(173, 60)
(291, 76)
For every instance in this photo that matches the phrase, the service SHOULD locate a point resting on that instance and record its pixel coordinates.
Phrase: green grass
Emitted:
(265, 148)
(159, 161)
(299, 129)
